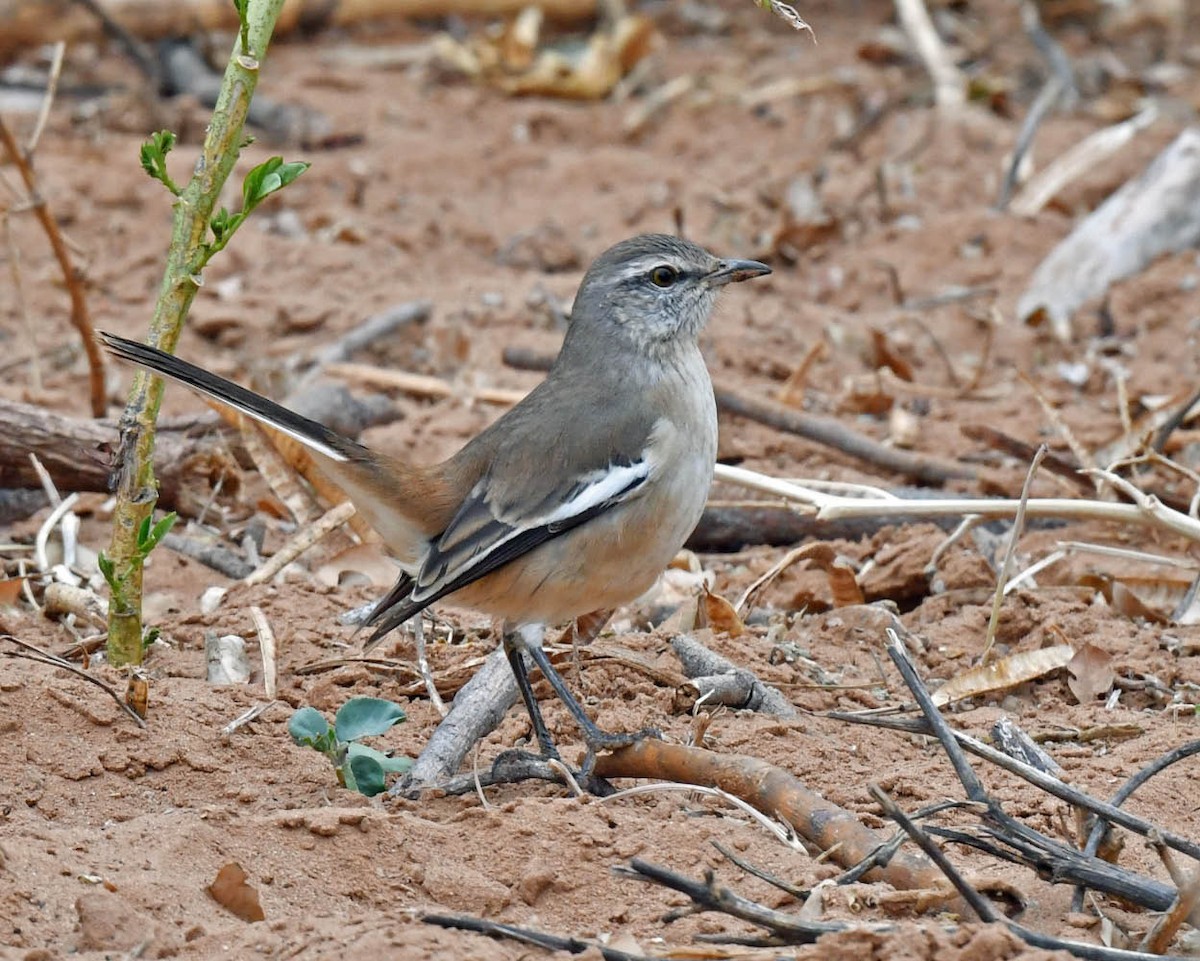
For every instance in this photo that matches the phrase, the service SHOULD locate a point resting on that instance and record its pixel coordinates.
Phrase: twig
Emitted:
(420, 385)
(31, 653)
(251, 714)
(47, 482)
(137, 51)
(1124, 793)
(1014, 535)
(56, 63)
(549, 942)
(1038, 111)
(949, 84)
(1171, 424)
(1088, 155)
(951, 740)
(1149, 513)
(43, 535)
(267, 648)
(418, 626)
(371, 331)
(71, 276)
(977, 902)
(981, 906)
(782, 834)
(19, 302)
(301, 541)
(708, 896)
(655, 102)
(761, 874)
(1163, 932)
(1057, 464)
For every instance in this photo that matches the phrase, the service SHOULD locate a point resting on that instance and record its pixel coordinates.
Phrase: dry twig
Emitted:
(1014, 535)
(31, 653)
(301, 541)
(72, 277)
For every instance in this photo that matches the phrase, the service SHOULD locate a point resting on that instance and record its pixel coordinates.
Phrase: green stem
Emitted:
(137, 489)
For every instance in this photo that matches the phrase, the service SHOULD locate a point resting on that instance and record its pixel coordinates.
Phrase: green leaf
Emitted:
(365, 716)
(309, 728)
(396, 765)
(153, 156)
(267, 178)
(143, 533)
(365, 775)
(160, 530)
(106, 568)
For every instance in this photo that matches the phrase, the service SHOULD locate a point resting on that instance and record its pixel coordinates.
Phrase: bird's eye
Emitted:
(663, 276)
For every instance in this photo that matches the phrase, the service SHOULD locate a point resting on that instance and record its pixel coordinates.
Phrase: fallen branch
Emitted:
(1151, 215)
(776, 793)
(476, 711)
(77, 455)
(714, 679)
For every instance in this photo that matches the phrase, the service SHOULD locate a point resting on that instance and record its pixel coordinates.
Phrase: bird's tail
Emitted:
(316, 437)
(369, 479)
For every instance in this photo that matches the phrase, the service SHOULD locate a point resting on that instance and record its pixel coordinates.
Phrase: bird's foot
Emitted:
(517, 765)
(597, 741)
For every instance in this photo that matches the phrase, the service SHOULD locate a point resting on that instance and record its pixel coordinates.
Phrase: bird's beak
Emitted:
(734, 271)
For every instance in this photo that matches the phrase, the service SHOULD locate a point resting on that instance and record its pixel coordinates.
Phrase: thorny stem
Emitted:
(137, 489)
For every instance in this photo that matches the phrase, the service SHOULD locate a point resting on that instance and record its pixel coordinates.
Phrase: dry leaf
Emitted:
(1131, 596)
(843, 583)
(865, 395)
(1090, 673)
(137, 695)
(719, 615)
(886, 357)
(513, 61)
(1003, 674)
(231, 891)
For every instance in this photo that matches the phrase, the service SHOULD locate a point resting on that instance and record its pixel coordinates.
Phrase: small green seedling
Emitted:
(359, 768)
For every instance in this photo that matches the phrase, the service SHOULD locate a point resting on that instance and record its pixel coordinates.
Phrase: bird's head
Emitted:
(653, 292)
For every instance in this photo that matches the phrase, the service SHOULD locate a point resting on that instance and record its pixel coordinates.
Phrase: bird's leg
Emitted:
(514, 643)
(595, 739)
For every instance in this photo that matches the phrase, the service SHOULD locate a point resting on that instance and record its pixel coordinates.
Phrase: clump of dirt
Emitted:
(489, 207)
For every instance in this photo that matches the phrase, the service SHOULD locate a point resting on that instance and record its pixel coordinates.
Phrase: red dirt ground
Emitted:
(109, 835)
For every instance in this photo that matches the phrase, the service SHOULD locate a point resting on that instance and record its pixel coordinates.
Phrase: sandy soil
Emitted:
(486, 206)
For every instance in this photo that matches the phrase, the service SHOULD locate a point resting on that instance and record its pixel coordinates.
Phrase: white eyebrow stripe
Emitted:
(643, 266)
